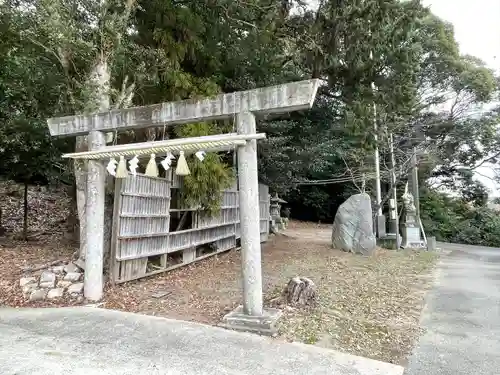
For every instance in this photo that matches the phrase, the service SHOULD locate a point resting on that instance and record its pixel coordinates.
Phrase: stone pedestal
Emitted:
(411, 234)
(389, 242)
(264, 324)
(280, 223)
(393, 228)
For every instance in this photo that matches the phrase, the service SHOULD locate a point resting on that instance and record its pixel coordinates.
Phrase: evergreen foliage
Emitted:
(426, 94)
(203, 187)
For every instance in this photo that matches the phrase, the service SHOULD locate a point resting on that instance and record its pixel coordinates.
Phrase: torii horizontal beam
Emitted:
(274, 99)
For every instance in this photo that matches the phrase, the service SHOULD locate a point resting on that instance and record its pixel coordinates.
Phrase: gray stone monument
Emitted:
(353, 226)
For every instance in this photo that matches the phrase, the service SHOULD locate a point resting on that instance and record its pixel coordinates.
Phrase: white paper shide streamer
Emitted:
(167, 162)
(111, 167)
(182, 166)
(200, 155)
(121, 170)
(133, 165)
(152, 168)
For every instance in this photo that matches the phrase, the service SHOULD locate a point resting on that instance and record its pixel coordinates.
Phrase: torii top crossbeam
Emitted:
(274, 99)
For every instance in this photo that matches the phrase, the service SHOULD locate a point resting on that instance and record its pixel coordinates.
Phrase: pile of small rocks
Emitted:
(54, 283)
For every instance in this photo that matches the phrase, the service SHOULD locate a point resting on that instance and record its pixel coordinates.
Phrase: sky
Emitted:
(477, 31)
(476, 24)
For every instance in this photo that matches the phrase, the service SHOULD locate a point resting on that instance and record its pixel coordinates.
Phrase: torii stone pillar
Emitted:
(245, 105)
(248, 180)
(94, 212)
(251, 316)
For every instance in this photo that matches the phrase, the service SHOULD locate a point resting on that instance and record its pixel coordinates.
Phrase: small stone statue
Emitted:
(408, 201)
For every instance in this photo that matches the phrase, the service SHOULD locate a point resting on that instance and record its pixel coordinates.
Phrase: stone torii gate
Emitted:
(244, 106)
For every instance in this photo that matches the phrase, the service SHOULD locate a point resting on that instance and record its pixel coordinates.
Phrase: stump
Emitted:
(300, 291)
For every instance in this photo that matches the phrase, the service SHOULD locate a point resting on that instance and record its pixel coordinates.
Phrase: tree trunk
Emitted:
(99, 80)
(300, 291)
(99, 83)
(25, 213)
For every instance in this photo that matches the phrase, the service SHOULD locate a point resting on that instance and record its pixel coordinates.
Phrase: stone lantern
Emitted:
(277, 222)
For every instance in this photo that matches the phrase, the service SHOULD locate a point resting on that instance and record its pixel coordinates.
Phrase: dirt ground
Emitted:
(368, 306)
(16, 255)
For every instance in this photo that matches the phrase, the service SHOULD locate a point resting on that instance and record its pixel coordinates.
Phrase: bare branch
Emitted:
(353, 179)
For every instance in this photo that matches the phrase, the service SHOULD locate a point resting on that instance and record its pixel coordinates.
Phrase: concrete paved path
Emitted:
(92, 341)
(462, 316)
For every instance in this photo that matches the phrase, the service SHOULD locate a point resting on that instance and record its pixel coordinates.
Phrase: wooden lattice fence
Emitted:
(145, 240)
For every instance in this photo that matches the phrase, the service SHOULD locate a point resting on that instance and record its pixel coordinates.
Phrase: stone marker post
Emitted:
(431, 244)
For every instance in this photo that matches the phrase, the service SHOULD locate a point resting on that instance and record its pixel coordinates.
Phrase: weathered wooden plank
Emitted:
(197, 209)
(264, 212)
(171, 268)
(143, 247)
(275, 99)
(133, 204)
(149, 246)
(230, 198)
(184, 244)
(137, 216)
(178, 233)
(114, 265)
(146, 186)
(134, 227)
(143, 212)
(200, 229)
(189, 255)
(152, 196)
(226, 216)
(133, 269)
(226, 244)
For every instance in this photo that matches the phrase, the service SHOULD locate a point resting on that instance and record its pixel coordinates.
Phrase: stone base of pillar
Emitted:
(381, 227)
(389, 242)
(263, 325)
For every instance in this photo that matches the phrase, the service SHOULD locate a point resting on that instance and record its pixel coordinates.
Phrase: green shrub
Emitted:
(454, 220)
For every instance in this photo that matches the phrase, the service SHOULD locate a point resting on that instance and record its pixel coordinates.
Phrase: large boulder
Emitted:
(353, 226)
